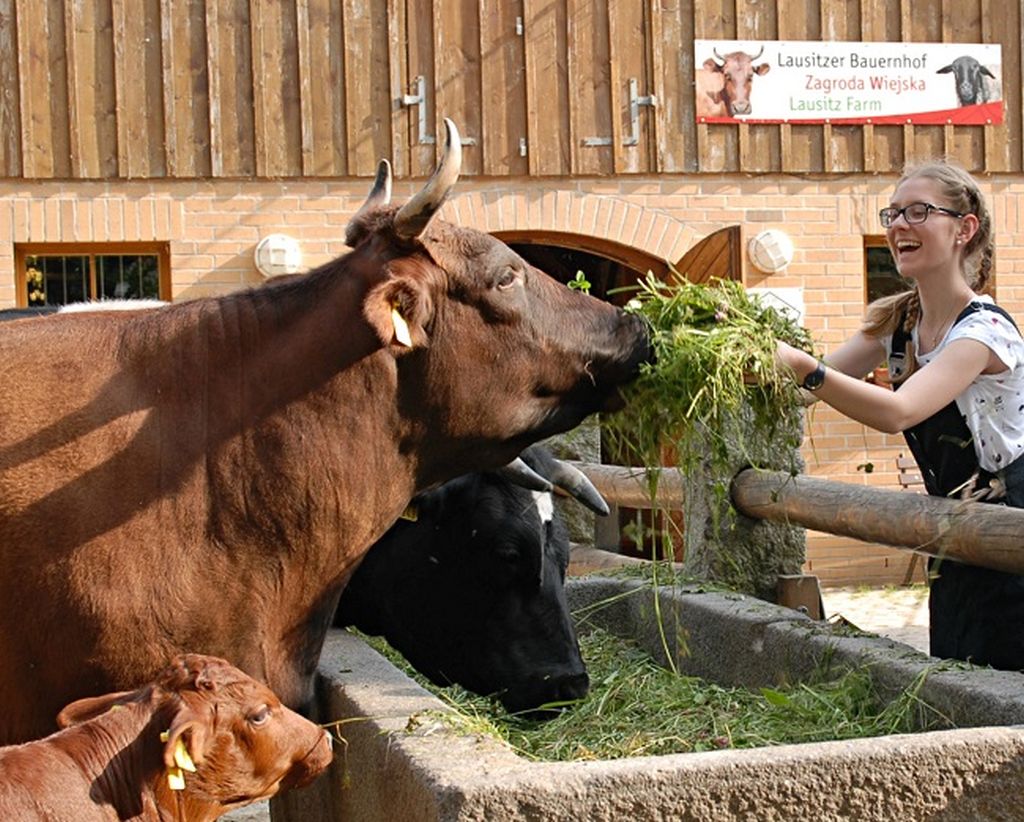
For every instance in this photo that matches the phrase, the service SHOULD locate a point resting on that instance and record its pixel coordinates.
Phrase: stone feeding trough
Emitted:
(397, 767)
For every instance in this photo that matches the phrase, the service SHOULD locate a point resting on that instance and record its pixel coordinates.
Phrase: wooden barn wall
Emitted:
(107, 89)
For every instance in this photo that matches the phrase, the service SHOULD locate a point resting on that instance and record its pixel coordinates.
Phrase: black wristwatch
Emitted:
(814, 380)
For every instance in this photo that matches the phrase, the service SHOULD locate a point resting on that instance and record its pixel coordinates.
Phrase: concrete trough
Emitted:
(397, 767)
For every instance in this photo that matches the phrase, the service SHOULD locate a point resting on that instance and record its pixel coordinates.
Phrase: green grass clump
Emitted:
(637, 708)
(714, 346)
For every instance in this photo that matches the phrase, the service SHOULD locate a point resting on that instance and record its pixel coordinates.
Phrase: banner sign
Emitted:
(808, 81)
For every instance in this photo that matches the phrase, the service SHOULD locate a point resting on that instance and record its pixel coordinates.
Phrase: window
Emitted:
(882, 277)
(52, 274)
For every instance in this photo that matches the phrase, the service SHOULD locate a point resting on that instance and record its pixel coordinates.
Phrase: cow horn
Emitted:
(413, 217)
(719, 56)
(380, 194)
(519, 473)
(755, 56)
(574, 482)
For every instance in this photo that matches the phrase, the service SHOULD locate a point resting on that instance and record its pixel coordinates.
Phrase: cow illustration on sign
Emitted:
(723, 84)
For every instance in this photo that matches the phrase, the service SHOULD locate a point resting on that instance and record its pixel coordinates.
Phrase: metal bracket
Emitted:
(635, 101)
(419, 99)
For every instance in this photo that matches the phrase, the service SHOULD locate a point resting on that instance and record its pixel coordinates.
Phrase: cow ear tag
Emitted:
(182, 762)
(402, 335)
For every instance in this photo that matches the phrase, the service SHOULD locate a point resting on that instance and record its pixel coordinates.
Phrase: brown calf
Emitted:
(201, 739)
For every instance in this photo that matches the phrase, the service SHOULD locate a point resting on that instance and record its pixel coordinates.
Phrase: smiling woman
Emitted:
(957, 360)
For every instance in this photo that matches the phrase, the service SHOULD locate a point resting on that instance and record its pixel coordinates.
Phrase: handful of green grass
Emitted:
(714, 346)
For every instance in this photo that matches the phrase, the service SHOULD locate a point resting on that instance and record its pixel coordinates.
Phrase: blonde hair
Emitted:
(963, 194)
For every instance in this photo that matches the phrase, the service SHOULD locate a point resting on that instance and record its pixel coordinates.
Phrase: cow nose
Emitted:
(571, 688)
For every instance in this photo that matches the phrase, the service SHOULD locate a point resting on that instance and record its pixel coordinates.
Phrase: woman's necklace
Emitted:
(939, 332)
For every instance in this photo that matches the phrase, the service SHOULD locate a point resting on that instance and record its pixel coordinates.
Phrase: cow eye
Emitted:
(259, 716)
(507, 279)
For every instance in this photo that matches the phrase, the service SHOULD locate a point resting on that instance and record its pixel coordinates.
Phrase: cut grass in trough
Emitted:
(637, 708)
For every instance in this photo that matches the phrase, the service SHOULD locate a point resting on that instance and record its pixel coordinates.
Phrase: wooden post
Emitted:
(991, 536)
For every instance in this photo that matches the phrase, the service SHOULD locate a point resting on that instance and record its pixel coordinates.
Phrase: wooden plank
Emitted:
(10, 116)
(840, 20)
(229, 63)
(676, 117)
(457, 76)
(800, 146)
(502, 89)
(972, 532)
(138, 88)
(43, 90)
(547, 86)
(277, 112)
(717, 145)
(1001, 23)
(883, 145)
(186, 90)
(590, 94)
(398, 67)
(420, 56)
(656, 87)
(760, 147)
(628, 48)
(91, 84)
(321, 93)
(367, 79)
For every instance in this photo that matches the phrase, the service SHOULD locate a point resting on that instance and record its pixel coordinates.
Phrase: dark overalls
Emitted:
(975, 614)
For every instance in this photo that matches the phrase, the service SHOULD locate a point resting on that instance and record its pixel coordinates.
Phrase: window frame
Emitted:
(879, 241)
(160, 250)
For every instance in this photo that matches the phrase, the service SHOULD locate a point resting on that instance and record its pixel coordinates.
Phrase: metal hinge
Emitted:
(635, 101)
(419, 99)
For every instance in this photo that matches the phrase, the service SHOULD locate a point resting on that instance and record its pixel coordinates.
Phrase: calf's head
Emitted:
(490, 351)
(223, 739)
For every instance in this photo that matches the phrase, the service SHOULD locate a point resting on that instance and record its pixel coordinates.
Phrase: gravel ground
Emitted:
(898, 613)
(257, 812)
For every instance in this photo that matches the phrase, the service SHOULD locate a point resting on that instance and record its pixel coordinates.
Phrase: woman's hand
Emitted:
(799, 362)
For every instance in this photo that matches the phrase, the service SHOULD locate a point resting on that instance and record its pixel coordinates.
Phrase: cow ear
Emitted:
(186, 740)
(83, 710)
(399, 310)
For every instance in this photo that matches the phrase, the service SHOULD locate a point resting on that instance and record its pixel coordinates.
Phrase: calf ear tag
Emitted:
(402, 335)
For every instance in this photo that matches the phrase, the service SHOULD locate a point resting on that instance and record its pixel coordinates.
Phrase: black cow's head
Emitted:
(472, 592)
(737, 69)
(489, 350)
(969, 75)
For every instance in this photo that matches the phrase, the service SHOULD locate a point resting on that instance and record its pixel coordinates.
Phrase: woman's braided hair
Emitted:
(961, 191)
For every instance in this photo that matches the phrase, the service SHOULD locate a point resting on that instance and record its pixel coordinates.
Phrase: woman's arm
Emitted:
(926, 391)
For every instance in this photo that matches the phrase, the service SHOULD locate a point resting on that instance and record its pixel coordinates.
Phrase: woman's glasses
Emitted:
(913, 213)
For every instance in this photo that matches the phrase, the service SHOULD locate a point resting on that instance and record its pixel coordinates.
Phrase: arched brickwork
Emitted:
(602, 224)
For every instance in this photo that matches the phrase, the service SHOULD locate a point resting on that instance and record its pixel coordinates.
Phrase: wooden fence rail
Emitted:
(991, 536)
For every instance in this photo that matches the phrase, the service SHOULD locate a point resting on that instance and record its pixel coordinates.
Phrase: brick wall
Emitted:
(213, 227)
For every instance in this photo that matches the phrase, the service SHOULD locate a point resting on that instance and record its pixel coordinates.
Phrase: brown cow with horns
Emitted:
(206, 477)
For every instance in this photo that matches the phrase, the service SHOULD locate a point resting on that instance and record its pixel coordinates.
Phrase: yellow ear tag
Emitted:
(402, 334)
(175, 779)
(182, 758)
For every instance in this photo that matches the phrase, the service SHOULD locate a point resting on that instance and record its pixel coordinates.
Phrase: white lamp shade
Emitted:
(278, 254)
(770, 250)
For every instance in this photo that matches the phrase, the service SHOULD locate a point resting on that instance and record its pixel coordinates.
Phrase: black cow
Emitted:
(971, 87)
(472, 591)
